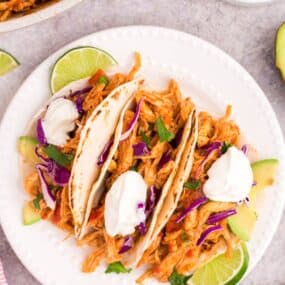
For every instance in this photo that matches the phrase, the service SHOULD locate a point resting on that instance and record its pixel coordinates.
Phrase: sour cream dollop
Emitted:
(230, 177)
(122, 213)
(59, 120)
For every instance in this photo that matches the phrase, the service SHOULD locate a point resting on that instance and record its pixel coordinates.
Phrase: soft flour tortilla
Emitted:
(172, 189)
(185, 166)
(96, 133)
(135, 254)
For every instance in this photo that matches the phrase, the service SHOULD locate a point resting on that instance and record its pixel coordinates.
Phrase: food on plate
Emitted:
(280, 50)
(7, 62)
(9, 8)
(143, 178)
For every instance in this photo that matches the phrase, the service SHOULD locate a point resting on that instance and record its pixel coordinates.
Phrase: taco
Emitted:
(191, 229)
(136, 175)
(56, 141)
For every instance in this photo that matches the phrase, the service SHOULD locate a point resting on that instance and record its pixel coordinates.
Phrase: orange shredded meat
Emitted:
(10, 7)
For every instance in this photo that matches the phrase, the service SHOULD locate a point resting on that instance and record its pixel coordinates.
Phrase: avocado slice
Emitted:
(242, 224)
(30, 215)
(26, 147)
(264, 172)
(280, 49)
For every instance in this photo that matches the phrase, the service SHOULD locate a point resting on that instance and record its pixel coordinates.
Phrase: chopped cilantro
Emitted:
(117, 267)
(36, 201)
(163, 133)
(60, 158)
(184, 236)
(54, 188)
(150, 126)
(134, 168)
(178, 279)
(145, 138)
(225, 147)
(193, 184)
(103, 80)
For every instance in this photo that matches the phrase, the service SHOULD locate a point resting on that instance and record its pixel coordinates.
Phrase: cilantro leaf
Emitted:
(178, 279)
(145, 138)
(134, 168)
(117, 267)
(36, 201)
(163, 133)
(150, 126)
(225, 147)
(193, 184)
(60, 158)
(184, 236)
(103, 80)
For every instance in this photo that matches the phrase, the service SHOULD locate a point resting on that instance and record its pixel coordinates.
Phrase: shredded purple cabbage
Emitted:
(244, 149)
(141, 205)
(209, 149)
(142, 228)
(133, 122)
(40, 156)
(212, 146)
(81, 92)
(177, 140)
(128, 244)
(40, 133)
(245, 201)
(151, 201)
(79, 104)
(166, 157)
(47, 194)
(217, 217)
(104, 154)
(207, 232)
(197, 203)
(140, 149)
(59, 174)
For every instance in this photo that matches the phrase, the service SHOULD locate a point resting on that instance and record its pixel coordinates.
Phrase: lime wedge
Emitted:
(78, 63)
(7, 62)
(222, 270)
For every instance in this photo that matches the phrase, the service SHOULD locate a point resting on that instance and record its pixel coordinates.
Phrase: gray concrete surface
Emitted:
(247, 34)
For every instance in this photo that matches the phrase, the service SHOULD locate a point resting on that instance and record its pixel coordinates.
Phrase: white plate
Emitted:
(208, 75)
(15, 23)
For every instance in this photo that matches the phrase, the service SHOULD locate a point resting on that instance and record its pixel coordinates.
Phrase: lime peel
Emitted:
(78, 63)
(7, 62)
(222, 270)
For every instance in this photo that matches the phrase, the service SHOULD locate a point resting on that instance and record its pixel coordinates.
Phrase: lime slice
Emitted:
(7, 62)
(78, 63)
(222, 270)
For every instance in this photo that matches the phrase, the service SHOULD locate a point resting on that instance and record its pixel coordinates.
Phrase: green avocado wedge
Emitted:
(264, 172)
(242, 224)
(30, 215)
(280, 50)
(26, 147)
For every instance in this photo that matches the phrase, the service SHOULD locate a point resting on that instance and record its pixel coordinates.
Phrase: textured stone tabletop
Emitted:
(247, 34)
